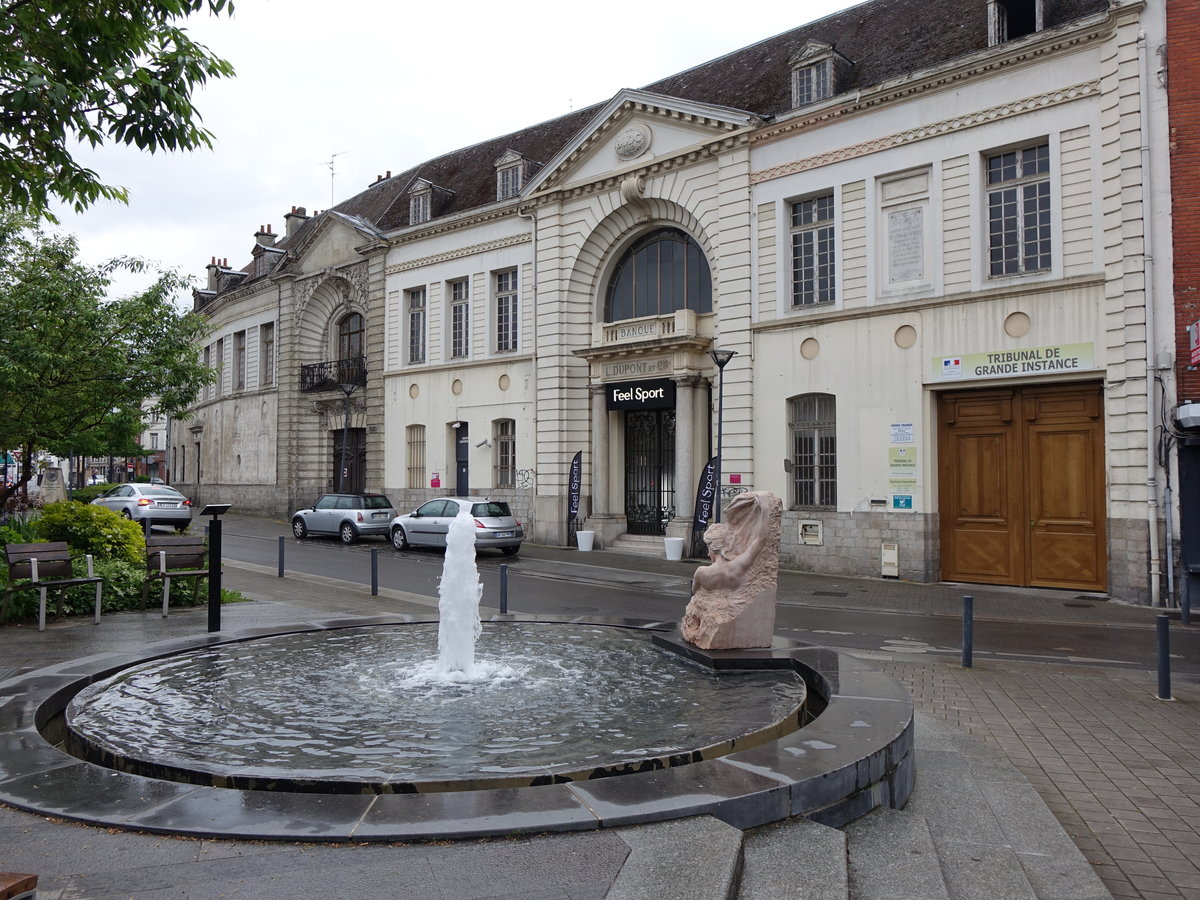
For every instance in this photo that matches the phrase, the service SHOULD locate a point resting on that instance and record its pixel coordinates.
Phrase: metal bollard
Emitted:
(374, 571)
(503, 589)
(1164, 657)
(281, 543)
(146, 527)
(968, 634)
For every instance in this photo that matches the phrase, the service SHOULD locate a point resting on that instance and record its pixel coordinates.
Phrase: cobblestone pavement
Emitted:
(1117, 766)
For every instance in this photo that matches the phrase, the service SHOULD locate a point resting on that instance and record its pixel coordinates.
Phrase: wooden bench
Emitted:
(174, 557)
(45, 566)
(16, 886)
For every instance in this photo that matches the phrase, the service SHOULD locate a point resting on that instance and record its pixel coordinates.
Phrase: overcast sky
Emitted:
(361, 87)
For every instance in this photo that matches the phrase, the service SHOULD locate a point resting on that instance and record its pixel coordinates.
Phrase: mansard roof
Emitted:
(883, 39)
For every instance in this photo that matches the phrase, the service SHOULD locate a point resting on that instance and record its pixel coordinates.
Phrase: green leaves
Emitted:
(90, 71)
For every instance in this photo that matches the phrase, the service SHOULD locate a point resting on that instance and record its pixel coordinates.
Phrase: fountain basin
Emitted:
(855, 756)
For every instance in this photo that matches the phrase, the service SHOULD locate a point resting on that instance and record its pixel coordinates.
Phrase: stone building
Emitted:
(920, 226)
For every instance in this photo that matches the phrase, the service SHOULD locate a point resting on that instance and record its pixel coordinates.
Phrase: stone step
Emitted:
(794, 858)
(892, 855)
(639, 544)
(685, 859)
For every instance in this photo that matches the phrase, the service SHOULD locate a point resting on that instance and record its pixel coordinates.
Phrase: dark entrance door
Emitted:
(353, 466)
(462, 480)
(649, 470)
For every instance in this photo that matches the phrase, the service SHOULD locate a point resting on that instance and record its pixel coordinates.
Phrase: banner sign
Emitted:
(706, 495)
(655, 393)
(574, 483)
(1045, 360)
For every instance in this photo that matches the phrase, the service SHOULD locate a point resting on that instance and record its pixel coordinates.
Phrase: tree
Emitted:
(74, 366)
(91, 71)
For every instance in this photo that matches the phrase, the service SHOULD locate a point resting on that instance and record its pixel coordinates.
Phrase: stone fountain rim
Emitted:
(856, 756)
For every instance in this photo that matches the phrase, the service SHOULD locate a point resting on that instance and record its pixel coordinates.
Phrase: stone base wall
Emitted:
(852, 543)
(1128, 560)
(247, 499)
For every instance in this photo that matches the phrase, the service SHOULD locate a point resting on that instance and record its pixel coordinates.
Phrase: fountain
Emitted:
(388, 730)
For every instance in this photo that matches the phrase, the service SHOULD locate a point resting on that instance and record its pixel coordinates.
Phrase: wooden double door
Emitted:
(1021, 485)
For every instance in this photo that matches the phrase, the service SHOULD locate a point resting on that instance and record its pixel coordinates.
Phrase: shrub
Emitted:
(89, 492)
(18, 528)
(93, 529)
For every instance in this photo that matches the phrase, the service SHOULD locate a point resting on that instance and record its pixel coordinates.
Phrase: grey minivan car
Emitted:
(349, 516)
(429, 523)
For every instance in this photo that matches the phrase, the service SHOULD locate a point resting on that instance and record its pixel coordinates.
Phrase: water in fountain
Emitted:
(458, 602)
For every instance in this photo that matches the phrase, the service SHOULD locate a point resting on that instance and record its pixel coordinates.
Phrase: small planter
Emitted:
(585, 539)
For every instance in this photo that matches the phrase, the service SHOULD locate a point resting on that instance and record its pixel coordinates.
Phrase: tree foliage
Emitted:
(94, 71)
(76, 367)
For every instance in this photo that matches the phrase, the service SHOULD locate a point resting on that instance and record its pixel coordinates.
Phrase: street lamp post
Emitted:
(721, 358)
(347, 389)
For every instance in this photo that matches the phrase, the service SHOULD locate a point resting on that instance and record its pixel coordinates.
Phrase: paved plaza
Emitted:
(1114, 765)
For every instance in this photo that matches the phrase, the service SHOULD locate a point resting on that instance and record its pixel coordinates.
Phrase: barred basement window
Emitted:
(813, 428)
(505, 439)
(415, 450)
(506, 311)
(1018, 204)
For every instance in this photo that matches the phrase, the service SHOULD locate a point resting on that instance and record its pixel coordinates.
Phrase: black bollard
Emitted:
(968, 634)
(281, 542)
(214, 575)
(1164, 658)
(374, 571)
(503, 589)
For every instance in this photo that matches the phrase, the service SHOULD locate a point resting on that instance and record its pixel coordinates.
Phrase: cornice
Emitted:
(994, 59)
(459, 253)
(933, 129)
(468, 219)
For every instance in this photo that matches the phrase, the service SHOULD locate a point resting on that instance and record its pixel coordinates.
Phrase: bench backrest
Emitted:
(54, 560)
(182, 553)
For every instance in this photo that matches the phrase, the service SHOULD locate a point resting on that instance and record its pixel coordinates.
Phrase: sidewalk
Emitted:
(1116, 767)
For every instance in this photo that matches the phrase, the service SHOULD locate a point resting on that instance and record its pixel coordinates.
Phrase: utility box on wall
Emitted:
(891, 560)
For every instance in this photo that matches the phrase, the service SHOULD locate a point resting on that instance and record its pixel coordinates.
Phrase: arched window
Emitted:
(662, 272)
(350, 337)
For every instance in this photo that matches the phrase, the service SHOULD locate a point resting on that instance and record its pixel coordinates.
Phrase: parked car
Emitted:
(157, 503)
(428, 524)
(349, 516)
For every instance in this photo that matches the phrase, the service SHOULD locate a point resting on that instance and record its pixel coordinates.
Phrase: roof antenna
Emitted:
(329, 162)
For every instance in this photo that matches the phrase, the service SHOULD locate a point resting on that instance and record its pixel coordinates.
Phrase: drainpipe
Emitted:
(534, 279)
(1148, 254)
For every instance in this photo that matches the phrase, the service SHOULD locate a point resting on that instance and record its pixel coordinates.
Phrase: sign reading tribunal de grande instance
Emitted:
(1044, 360)
(656, 393)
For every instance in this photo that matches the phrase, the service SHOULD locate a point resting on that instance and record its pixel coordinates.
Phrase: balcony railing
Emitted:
(326, 376)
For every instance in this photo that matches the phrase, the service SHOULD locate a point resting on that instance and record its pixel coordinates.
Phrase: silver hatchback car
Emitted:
(349, 516)
(156, 503)
(428, 524)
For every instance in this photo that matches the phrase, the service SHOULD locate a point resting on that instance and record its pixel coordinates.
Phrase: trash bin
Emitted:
(585, 539)
(674, 548)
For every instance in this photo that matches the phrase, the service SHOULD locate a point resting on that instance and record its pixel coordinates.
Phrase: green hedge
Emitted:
(93, 529)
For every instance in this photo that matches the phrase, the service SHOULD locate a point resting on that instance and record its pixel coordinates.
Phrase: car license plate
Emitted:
(379, 515)
(502, 534)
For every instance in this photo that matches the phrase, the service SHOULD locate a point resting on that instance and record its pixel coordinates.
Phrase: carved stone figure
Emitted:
(733, 599)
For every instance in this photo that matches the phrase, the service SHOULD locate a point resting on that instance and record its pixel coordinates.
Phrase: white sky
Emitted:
(385, 86)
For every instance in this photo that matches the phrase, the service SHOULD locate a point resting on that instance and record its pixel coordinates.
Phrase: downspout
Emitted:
(534, 279)
(1148, 256)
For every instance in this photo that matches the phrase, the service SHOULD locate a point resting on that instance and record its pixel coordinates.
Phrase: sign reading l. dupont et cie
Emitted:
(656, 393)
(1051, 359)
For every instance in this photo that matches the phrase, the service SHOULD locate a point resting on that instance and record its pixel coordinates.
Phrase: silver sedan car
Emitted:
(155, 503)
(428, 524)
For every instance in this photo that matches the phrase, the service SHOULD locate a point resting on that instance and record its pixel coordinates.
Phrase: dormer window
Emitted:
(1010, 19)
(419, 204)
(511, 169)
(818, 72)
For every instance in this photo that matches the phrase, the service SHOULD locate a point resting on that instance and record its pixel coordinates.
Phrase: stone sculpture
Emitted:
(733, 599)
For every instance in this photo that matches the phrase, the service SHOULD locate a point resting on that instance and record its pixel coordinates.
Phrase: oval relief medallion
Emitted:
(633, 141)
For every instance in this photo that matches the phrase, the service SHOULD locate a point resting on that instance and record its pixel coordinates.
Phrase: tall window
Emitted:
(460, 319)
(415, 450)
(418, 207)
(506, 311)
(662, 272)
(813, 428)
(508, 182)
(208, 365)
(266, 353)
(220, 363)
(812, 251)
(505, 475)
(416, 325)
(1018, 203)
(351, 332)
(239, 361)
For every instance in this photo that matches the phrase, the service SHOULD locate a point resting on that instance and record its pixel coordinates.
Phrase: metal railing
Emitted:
(326, 376)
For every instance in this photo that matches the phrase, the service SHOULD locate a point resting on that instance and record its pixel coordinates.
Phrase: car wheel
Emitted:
(399, 538)
(299, 529)
(127, 514)
(347, 533)
(510, 551)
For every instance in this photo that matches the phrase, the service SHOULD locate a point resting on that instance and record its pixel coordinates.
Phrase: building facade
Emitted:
(918, 232)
